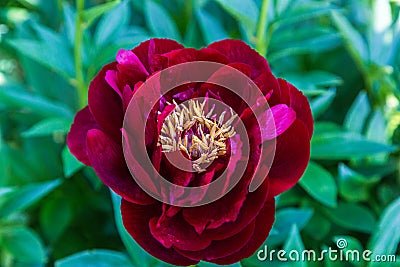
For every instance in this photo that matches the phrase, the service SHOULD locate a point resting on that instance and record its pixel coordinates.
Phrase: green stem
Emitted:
(261, 42)
(80, 82)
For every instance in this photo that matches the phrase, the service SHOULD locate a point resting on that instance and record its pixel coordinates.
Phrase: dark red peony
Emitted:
(234, 226)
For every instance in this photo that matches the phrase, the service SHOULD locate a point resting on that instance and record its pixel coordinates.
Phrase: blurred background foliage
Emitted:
(344, 56)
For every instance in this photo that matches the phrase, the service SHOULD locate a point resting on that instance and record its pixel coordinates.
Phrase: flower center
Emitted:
(202, 137)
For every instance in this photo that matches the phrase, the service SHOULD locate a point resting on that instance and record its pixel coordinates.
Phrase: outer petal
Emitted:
(190, 54)
(291, 158)
(146, 50)
(222, 248)
(251, 208)
(136, 221)
(105, 104)
(238, 51)
(76, 139)
(279, 116)
(107, 159)
(263, 225)
(175, 231)
(130, 69)
(291, 96)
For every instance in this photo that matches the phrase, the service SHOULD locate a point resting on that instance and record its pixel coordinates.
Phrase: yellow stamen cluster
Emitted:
(202, 147)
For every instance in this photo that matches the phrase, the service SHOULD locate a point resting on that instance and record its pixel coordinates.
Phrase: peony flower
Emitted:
(183, 122)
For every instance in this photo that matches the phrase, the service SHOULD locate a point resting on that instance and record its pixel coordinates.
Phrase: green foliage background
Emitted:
(344, 56)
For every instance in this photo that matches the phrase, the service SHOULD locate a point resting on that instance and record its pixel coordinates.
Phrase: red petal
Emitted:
(222, 248)
(112, 80)
(76, 139)
(105, 104)
(190, 54)
(263, 225)
(130, 69)
(136, 221)
(251, 207)
(291, 158)
(147, 49)
(239, 87)
(176, 232)
(291, 96)
(238, 51)
(266, 82)
(108, 161)
(276, 120)
(225, 209)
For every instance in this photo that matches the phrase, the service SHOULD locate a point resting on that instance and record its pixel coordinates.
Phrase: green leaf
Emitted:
(210, 27)
(386, 236)
(307, 41)
(23, 244)
(380, 34)
(301, 11)
(70, 164)
(294, 243)
(159, 21)
(15, 96)
(313, 82)
(55, 216)
(69, 16)
(353, 186)
(93, 13)
(353, 217)
(321, 103)
(54, 57)
(209, 264)
(320, 184)
(97, 257)
(49, 36)
(246, 12)
(284, 220)
(352, 37)
(357, 114)
(344, 145)
(48, 127)
(26, 196)
(321, 127)
(111, 24)
(318, 227)
(376, 128)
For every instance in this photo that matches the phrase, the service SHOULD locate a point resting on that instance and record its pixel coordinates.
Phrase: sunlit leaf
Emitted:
(386, 236)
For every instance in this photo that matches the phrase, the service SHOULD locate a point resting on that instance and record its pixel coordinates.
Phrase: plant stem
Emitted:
(80, 83)
(261, 42)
